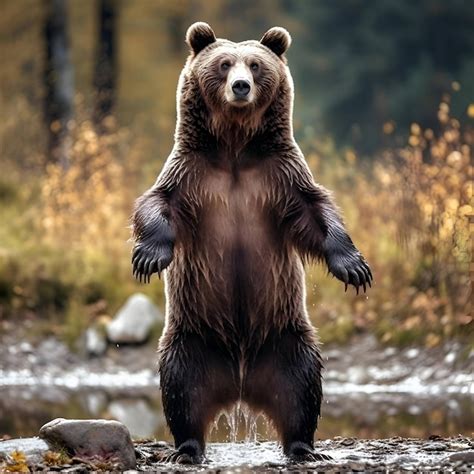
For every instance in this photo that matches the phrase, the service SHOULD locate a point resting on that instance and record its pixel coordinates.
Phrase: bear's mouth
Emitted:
(239, 101)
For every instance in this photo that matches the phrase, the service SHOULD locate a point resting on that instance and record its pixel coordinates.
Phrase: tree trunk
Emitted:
(105, 76)
(59, 82)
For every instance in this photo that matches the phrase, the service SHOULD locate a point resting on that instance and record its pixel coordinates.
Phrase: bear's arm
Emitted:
(152, 226)
(315, 225)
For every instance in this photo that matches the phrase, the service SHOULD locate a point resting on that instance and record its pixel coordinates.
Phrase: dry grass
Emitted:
(409, 213)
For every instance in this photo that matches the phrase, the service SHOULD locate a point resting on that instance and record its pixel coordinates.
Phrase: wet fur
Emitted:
(233, 216)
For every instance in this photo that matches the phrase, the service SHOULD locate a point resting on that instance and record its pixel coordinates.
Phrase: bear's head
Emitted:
(235, 84)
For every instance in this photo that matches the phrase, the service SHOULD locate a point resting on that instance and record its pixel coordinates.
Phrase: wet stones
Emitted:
(95, 441)
(435, 446)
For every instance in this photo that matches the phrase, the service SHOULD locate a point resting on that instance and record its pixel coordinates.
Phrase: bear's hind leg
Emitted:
(284, 381)
(197, 381)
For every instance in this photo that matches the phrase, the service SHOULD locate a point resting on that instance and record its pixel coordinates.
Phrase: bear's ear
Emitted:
(277, 39)
(199, 35)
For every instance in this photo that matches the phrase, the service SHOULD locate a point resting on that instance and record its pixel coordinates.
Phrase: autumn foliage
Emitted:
(410, 213)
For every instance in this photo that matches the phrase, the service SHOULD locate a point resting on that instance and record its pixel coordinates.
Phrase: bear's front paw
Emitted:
(150, 258)
(351, 268)
(153, 250)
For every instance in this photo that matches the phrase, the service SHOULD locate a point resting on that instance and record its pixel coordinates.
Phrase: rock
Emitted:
(134, 321)
(435, 446)
(357, 466)
(412, 353)
(32, 448)
(464, 456)
(95, 342)
(105, 440)
(406, 459)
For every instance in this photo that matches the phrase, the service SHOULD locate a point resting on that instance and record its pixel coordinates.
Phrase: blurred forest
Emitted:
(384, 112)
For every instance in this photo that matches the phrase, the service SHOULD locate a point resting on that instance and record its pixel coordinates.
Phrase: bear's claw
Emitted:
(147, 260)
(153, 250)
(351, 268)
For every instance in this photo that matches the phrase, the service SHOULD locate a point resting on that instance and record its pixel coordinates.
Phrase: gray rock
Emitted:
(134, 320)
(406, 459)
(436, 446)
(464, 456)
(95, 341)
(33, 448)
(103, 439)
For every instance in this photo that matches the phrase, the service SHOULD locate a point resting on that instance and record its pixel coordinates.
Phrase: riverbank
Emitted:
(370, 391)
(348, 455)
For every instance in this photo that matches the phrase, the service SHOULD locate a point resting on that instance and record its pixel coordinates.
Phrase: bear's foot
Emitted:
(300, 452)
(189, 452)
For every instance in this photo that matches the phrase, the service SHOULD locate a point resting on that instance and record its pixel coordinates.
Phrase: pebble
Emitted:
(435, 447)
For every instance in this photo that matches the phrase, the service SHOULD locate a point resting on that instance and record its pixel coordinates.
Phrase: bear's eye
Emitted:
(254, 67)
(225, 66)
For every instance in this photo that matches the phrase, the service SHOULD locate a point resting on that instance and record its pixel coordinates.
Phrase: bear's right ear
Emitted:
(199, 35)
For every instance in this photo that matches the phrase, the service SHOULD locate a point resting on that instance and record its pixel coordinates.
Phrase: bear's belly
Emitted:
(249, 278)
(236, 230)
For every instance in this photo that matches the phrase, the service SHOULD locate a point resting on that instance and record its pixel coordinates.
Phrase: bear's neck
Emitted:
(199, 129)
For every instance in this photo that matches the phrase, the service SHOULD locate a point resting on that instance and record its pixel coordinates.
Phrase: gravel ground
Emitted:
(348, 455)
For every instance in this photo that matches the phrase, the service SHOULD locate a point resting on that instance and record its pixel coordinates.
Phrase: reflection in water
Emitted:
(136, 414)
(23, 410)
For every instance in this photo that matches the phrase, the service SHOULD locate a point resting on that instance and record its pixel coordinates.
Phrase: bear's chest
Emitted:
(233, 205)
(236, 191)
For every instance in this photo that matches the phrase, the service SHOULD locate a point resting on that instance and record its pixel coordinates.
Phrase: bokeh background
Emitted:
(384, 112)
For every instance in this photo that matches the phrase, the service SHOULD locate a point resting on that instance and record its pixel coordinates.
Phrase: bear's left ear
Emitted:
(199, 35)
(277, 39)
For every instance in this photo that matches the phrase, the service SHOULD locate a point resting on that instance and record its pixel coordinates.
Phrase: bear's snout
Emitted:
(241, 88)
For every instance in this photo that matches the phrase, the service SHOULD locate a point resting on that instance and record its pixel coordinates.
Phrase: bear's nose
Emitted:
(241, 87)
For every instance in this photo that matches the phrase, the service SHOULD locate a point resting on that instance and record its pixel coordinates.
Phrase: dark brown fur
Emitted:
(232, 216)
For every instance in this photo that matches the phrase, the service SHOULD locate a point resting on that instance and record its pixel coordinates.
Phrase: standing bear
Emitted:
(232, 217)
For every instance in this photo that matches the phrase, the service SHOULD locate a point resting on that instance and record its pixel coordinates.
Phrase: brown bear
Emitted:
(233, 216)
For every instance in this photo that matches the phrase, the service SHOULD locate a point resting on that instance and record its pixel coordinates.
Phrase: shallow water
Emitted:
(355, 411)
(370, 392)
